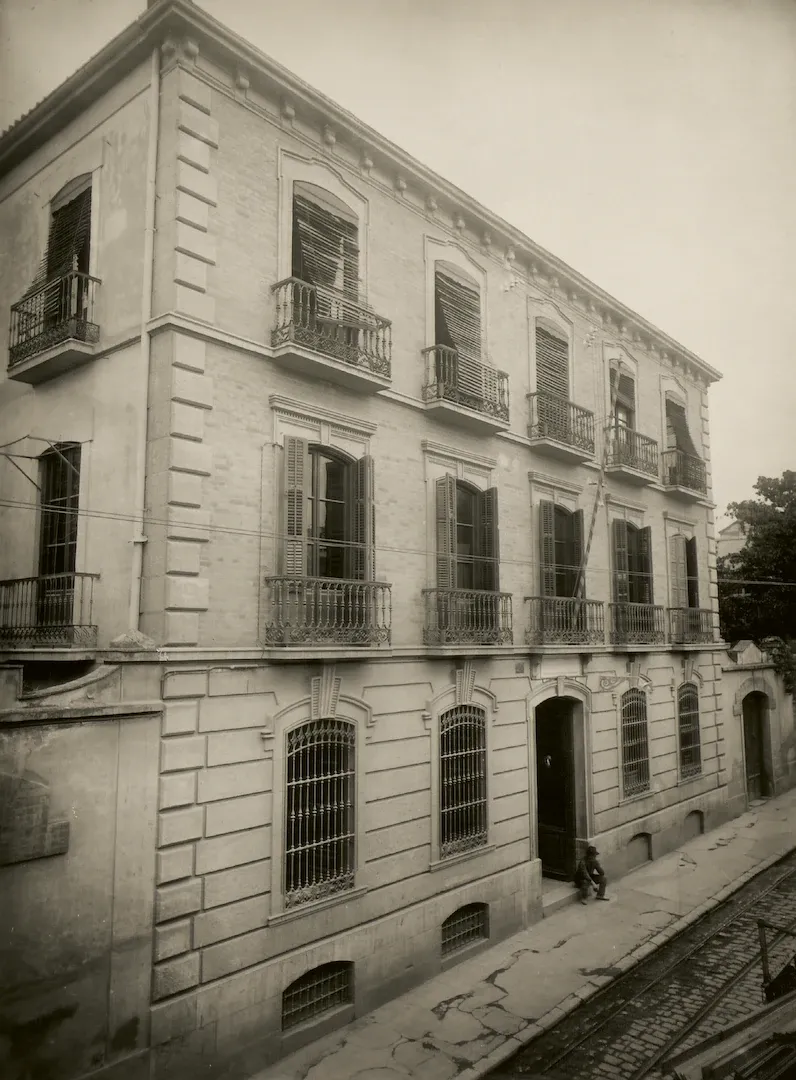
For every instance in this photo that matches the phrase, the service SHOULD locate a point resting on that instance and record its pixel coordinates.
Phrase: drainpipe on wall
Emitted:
(139, 536)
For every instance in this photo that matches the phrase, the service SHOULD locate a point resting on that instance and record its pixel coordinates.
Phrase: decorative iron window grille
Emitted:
(635, 744)
(320, 811)
(466, 925)
(316, 992)
(463, 796)
(688, 727)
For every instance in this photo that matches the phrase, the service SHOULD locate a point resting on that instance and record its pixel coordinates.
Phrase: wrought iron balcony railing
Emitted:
(690, 625)
(467, 617)
(637, 624)
(463, 381)
(632, 450)
(553, 417)
(685, 471)
(59, 310)
(54, 611)
(327, 611)
(559, 620)
(331, 323)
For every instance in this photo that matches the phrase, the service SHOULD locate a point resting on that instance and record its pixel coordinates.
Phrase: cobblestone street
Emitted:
(705, 979)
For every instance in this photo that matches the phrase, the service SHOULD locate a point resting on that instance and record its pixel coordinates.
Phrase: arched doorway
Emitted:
(558, 796)
(755, 744)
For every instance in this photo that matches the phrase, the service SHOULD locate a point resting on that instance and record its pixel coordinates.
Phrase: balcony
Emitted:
(465, 392)
(52, 328)
(684, 475)
(560, 429)
(328, 611)
(690, 626)
(467, 617)
(637, 624)
(631, 455)
(52, 612)
(325, 334)
(558, 620)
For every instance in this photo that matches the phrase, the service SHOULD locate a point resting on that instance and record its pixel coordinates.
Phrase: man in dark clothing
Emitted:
(590, 875)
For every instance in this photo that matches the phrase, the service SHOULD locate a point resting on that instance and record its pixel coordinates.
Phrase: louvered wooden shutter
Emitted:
(446, 532)
(644, 537)
(361, 532)
(547, 546)
(621, 576)
(577, 552)
(69, 237)
(486, 505)
(677, 566)
(460, 313)
(296, 482)
(552, 364)
(678, 437)
(692, 572)
(325, 247)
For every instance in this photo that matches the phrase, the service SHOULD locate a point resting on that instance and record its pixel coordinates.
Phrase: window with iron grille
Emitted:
(317, 992)
(688, 729)
(635, 744)
(319, 811)
(466, 925)
(463, 786)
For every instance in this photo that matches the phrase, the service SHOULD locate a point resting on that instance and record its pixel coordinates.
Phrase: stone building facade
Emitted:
(389, 534)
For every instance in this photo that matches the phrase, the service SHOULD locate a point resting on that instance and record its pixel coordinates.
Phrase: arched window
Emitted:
(552, 360)
(688, 730)
(316, 992)
(325, 248)
(320, 805)
(635, 744)
(561, 538)
(463, 780)
(466, 925)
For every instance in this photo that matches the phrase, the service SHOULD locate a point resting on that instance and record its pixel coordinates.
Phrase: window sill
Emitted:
(690, 779)
(627, 799)
(455, 860)
(318, 905)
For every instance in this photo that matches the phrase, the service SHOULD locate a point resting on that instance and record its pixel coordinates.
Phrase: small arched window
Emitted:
(320, 808)
(635, 744)
(688, 730)
(317, 992)
(466, 925)
(463, 816)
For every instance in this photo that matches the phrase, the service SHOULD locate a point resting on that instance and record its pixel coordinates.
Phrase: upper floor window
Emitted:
(327, 512)
(457, 312)
(635, 744)
(59, 481)
(632, 563)
(467, 536)
(678, 437)
(463, 780)
(325, 248)
(552, 363)
(320, 805)
(688, 730)
(684, 571)
(625, 400)
(561, 536)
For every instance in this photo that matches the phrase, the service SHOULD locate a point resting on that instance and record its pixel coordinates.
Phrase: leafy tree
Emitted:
(760, 611)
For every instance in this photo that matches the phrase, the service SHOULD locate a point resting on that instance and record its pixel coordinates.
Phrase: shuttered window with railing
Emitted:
(325, 241)
(561, 549)
(467, 536)
(632, 563)
(684, 571)
(678, 437)
(552, 364)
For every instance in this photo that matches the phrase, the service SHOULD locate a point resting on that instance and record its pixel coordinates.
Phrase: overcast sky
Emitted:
(649, 143)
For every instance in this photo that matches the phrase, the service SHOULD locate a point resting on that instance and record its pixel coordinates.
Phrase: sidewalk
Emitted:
(476, 1015)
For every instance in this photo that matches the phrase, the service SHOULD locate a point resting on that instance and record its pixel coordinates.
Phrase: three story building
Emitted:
(381, 539)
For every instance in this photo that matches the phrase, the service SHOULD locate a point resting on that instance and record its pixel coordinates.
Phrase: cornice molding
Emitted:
(187, 31)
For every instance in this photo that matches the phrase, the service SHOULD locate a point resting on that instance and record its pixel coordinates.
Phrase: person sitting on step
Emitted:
(590, 875)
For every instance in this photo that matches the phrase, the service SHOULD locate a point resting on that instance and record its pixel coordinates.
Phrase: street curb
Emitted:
(515, 1043)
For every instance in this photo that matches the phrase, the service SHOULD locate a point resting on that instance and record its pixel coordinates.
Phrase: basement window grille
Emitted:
(635, 744)
(463, 796)
(688, 726)
(318, 991)
(466, 925)
(319, 812)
